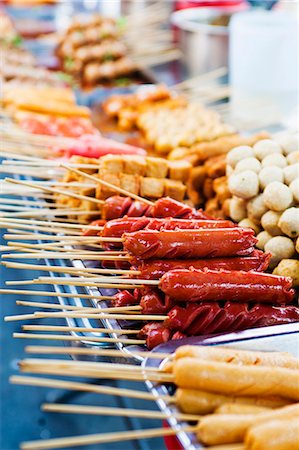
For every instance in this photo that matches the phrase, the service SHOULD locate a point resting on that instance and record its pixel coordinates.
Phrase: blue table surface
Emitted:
(21, 418)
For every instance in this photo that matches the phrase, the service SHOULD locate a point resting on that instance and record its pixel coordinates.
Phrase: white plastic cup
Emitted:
(263, 63)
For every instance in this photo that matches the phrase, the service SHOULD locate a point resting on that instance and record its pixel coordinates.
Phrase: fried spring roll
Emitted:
(194, 401)
(234, 379)
(280, 434)
(231, 428)
(234, 356)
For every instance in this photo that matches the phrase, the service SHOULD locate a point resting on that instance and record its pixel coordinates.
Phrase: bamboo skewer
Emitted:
(107, 411)
(100, 314)
(70, 270)
(85, 387)
(91, 351)
(78, 338)
(36, 212)
(78, 329)
(104, 438)
(94, 369)
(54, 294)
(109, 185)
(78, 308)
(54, 191)
(65, 255)
(91, 313)
(47, 223)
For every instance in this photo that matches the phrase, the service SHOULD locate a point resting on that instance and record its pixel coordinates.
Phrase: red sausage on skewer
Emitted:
(117, 206)
(211, 285)
(201, 243)
(154, 269)
(211, 318)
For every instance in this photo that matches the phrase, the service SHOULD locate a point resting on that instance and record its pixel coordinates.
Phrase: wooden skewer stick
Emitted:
(93, 370)
(40, 349)
(78, 308)
(54, 191)
(100, 280)
(47, 222)
(109, 185)
(86, 387)
(59, 269)
(59, 246)
(78, 329)
(107, 411)
(65, 255)
(54, 294)
(92, 313)
(97, 285)
(104, 438)
(79, 338)
(51, 212)
(99, 315)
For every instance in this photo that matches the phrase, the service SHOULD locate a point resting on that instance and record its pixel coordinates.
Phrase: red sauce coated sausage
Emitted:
(201, 243)
(154, 269)
(239, 286)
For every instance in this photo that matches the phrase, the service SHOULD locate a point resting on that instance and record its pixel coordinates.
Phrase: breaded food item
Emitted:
(135, 165)
(151, 187)
(156, 167)
(179, 170)
(130, 182)
(175, 189)
(112, 163)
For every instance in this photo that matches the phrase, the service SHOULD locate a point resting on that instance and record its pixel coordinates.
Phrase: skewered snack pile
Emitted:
(264, 181)
(93, 51)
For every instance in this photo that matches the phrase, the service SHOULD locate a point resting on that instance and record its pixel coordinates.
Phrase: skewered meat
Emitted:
(210, 318)
(201, 243)
(156, 268)
(237, 286)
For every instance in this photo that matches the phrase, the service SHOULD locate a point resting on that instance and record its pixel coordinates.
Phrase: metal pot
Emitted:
(204, 45)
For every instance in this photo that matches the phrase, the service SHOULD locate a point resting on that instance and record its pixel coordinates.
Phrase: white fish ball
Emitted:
(269, 174)
(280, 248)
(277, 196)
(289, 142)
(237, 154)
(293, 158)
(290, 173)
(262, 238)
(248, 164)
(244, 184)
(289, 222)
(294, 186)
(269, 222)
(247, 223)
(266, 147)
(256, 208)
(276, 160)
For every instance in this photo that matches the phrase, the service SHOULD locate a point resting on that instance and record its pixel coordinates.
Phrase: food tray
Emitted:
(274, 338)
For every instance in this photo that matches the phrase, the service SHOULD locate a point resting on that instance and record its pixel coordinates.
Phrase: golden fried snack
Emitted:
(179, 170)
(220, 186)
(193, 373)
(223, 145)
(235, 356)
(174, 189)
(231, 428)
(195, 401)
(235, 408)
(216, 166)
(280, 434)
(195, 184)
(288, 268)
(52, 107)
